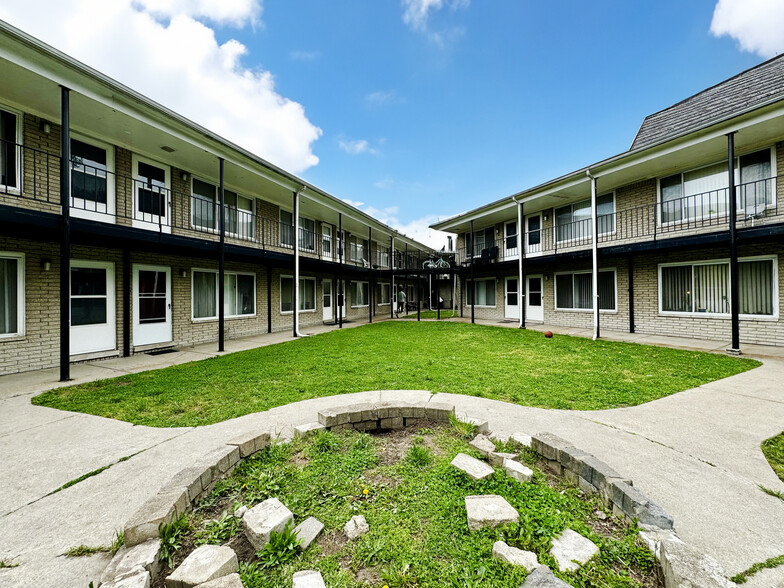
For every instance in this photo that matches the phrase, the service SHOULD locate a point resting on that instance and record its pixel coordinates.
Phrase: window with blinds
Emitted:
(574, 291)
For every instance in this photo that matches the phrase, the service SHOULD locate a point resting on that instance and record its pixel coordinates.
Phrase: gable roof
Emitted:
(754, 87)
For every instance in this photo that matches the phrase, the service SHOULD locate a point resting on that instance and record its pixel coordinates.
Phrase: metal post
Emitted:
(295, 289)
(65, 237)
(595, 256)
(631, 293)
(473, 281)
(405, 277)
(370, 271)
(338, 287)
(393, 292)
(734, 289)
(419, 297)
(520, 273)
(269, 298)
(221, 260)
(438, 297)
(127, 301)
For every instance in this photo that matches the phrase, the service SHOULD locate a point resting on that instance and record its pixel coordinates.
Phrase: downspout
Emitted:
(65, 234)
(295, 196)
(594, 255)
(393, 294)
(521, 289)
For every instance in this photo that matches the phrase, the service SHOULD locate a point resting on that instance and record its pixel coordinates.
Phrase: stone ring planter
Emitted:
(136, 564)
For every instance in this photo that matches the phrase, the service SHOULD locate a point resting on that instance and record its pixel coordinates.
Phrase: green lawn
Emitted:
(773, 449)
(433, 314)
(506, 364)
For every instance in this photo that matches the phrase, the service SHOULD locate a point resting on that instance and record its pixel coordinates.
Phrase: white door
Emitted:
(151, 195)
(512, 299)
(152, 315)
(340, 296)
(326, 242)
(534, 310)
(326, 296)
(511, 250)
(93, 318)
(533, 235)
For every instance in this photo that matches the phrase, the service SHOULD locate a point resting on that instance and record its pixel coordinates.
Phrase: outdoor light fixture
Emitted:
(183, 273)
(45, 127)
(184, 176)
(46, 265)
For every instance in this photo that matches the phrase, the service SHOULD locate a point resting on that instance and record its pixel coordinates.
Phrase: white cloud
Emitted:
(756, 24)
(417, 14)
(306, 56)
(383, 98)
(180, 64)
(357, 146)
(384, 183)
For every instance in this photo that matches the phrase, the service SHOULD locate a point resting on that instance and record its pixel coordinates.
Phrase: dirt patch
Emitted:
(397, 442)
(331, 542)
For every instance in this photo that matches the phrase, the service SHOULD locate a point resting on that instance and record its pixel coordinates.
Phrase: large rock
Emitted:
(230, 581)
(160, 509)
(684, 566)
(514, 469)
(482, 444)
(542, 577)
(307, 531)
(571, 550)
(205, 563)
(496, 458)
(523, 439)
(308, 579)
(264, 518)
(514, 556)
(356, 527)
(136, 577)
(489, 511)
(475, 469)
(127, 558)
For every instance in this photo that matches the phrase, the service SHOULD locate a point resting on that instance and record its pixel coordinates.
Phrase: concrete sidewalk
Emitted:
(696, 453)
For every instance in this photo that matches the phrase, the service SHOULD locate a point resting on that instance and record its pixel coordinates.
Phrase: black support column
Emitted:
(339, 294)
(221, 258)
(371, 305)
(734, 290)
(269, 298)
(127, 302)
(65, 235)
(630, 271)
(473, 281)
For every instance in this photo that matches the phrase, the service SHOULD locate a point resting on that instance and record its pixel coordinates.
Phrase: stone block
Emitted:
(572, 458)
(144, 555)
(307, 531)
(570, 476)
(549, 446)
(307, 579)
(553, 466)
(523, 439)
(514, 469)
(472, 467)
(230, 581)
(598, 472)
(382, 409)
(370, 413)
(160, 509)
(480, 425)
(328, 417)
(439, 411)
(355, 412)
(411, 422)
(392, 423)
(654, 516)
(356, 527)
(262, 519)
(482, 444)
(571, 550)
(514, 556)
(497, 458)
(489, 511)
(543, 577)
(190, 479)
(205, 563)
(684, 566)
(585, 485)
(138, 577)
(250, 442)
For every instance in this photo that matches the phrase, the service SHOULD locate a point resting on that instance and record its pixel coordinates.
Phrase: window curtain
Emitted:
(204, 204)
(705, 192)
(205, 303)
(565, 291)
(756, 189)
(8, 296)
(711, 288)
(307, 294)
(8, 148)
(286, 294)
(583, 290)
(606, 291)
(286, 228)
(755, 281)
(676, 289)
(245, 297)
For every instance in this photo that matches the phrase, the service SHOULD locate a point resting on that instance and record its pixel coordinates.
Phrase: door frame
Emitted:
(513, 253)
(528, 316)
(331, 307)
(151, 225)
(528, 252)
(507, 314)
(95, 333)
(331, 255)
(136, 326)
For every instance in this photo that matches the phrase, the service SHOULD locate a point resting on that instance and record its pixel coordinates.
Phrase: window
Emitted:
(9, 152)
(238, 215)
(239, 294)
(151, 184)
(574, 291)
(704, 288)
(307, 231)
(88, 176)
(359, 294)
(11, 294)
(481, 240)
(485, 292)
(382, 255)
(510, 233)
(702, 193)
(88, 296)
(358, 249)
(385, 291)
(307, 294)
(573, 221)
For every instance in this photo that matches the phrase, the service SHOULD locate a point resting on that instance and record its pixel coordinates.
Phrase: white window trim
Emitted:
(469, 281)
(204, 319)
(582, 240)
(473, 239)
(368, 291)
(588, 310)
(721, 315)
(736, 173)
(216, 230)
(381, 293)
(315, 294)
(141, 223)
(20, 294)
(16, 190)
(111, 178)
(296, 237)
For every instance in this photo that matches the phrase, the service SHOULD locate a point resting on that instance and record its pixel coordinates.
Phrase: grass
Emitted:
(85, 550)
(769, 563)
(433, 314)
(413, 501)
(773, 449)
(5, 564)
(513, 365)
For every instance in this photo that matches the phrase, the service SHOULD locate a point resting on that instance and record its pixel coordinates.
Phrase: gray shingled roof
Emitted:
(754, 87)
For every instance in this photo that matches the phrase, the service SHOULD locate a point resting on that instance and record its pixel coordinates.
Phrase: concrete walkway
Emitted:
(696, 453)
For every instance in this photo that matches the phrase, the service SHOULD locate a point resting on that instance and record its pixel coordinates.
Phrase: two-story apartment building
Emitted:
(126, 228)
(667, 258)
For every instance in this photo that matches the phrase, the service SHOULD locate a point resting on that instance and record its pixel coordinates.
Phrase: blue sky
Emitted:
(419, 109)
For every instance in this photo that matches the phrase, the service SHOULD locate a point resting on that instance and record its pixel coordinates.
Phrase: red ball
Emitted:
(548, 334)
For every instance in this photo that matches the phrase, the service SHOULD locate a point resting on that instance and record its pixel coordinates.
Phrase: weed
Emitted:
(771, 492)
(171, 536)
(463, 429)
(419, 456)
(324, 442)
(773, 449)
(6, 564)
(117, 542)
(282, 547)
(218, 531)
(84, 550)
(769, 563)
